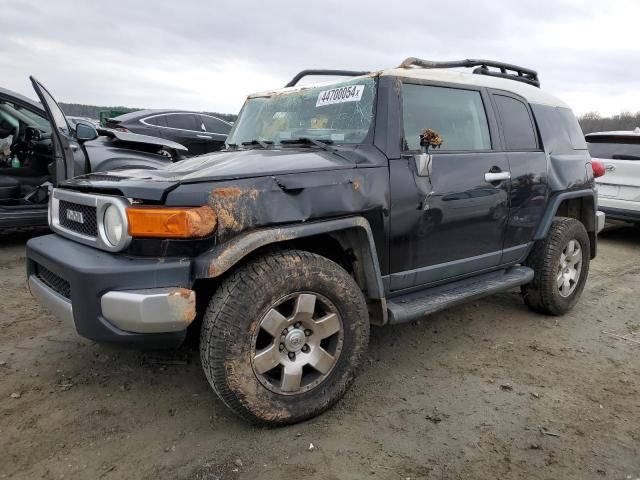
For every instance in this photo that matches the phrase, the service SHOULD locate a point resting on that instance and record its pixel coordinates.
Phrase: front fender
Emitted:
(221, 258)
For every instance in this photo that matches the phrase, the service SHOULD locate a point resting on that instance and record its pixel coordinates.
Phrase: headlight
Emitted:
(113, 225)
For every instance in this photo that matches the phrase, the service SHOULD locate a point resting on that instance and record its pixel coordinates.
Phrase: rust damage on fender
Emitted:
(252, 212)
(182, 303)
(233, 207)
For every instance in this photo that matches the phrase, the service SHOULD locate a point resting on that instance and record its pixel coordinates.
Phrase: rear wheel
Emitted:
(283, 336)
(561, 266)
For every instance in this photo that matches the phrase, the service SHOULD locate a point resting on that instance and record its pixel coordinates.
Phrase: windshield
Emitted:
(28, 117)
(339, 113)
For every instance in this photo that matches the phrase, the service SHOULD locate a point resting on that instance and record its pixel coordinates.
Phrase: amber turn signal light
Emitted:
(165, 222)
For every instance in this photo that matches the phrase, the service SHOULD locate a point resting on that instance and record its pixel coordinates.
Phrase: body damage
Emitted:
(283, 199)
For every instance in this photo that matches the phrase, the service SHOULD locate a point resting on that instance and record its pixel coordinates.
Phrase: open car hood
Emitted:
(137, 138)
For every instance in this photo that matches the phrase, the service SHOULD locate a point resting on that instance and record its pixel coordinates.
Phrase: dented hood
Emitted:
(243, 164)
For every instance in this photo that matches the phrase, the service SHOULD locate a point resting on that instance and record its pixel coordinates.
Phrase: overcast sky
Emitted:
(208, 55)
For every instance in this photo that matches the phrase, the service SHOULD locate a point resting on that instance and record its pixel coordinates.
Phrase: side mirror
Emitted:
(86, 131)
(428, 138)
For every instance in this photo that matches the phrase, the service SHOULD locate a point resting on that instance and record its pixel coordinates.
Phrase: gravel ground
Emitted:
(487, 390)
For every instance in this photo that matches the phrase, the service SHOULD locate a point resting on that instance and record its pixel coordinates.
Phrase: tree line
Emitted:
(93, 111)
(594, 122)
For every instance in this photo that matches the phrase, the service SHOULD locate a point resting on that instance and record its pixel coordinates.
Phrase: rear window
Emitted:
(519, 132)
(614, 149)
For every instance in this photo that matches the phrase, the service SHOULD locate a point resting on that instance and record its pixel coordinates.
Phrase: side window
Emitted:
(184, 121)
(519, 133)
(158, 121)
(214, 125)
(457, 115)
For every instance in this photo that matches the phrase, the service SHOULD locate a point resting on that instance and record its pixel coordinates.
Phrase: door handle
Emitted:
(204, 136)
(491, 177)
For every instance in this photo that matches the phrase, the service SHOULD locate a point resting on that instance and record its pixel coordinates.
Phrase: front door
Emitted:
(70, 160)
(450, 221)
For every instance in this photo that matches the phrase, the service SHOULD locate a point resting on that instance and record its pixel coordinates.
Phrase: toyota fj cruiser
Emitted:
(373, 200)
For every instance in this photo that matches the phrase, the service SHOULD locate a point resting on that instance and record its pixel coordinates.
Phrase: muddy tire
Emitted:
(561, 266)
(283, 336)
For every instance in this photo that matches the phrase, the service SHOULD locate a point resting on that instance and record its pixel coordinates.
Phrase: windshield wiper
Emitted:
(263, 143)
(324, 144)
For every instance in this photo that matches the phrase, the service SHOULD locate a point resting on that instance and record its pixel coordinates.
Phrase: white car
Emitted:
(619, 189)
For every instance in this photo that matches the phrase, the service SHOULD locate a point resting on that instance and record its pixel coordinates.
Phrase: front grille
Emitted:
(53, 281)
(78, 218)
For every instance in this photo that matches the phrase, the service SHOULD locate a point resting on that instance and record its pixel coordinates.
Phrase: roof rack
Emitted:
(506, 70)
(322, 72)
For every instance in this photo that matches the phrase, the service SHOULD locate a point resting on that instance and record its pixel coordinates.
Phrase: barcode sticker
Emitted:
(351, 93)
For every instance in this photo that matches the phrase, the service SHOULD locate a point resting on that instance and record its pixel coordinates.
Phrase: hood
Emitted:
(242, 164)
(137, 138)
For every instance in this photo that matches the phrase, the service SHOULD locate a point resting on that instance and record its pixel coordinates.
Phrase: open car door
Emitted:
(68, 161)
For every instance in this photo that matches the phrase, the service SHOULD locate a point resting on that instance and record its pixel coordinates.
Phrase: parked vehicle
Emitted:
(313, 223)
(73, 121)
(39, 148)
(199, 132)
(619, 189)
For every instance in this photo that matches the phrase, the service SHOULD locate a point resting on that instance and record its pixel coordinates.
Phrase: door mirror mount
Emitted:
(423, 164)
(85, 131)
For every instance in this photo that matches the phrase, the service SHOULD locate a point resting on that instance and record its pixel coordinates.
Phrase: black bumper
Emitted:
(83, 274)
(620, 214)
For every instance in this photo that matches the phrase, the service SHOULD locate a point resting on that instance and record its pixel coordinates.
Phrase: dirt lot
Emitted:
(488, 390)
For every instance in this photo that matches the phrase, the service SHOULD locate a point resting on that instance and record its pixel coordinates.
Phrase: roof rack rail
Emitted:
(322, 72)
(520, 74)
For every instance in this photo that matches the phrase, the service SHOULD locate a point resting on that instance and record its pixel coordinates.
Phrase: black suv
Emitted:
(371, 201)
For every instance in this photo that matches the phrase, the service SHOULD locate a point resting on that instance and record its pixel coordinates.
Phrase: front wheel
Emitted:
(283, 336)
(561, 266)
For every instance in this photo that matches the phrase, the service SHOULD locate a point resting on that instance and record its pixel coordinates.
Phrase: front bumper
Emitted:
(112, 298)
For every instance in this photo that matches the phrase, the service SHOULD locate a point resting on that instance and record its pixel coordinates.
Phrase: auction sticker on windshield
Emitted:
(350, 93)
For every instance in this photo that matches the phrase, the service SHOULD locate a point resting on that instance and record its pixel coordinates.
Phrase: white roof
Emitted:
(528, 92)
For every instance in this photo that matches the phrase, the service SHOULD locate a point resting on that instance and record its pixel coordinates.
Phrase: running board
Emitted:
(412, 306)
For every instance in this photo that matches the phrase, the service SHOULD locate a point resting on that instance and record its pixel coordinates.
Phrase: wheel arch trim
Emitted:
(554, 205)
(354, 232)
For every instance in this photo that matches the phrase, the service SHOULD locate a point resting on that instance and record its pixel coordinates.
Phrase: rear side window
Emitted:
(457, 115)
(519, 133)
(571, 125)
(184, 121)
(213, 125)
(158, 121)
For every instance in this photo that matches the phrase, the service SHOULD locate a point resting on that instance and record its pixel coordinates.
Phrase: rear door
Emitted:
(69, 157)
(621, 157)
(528, 167)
